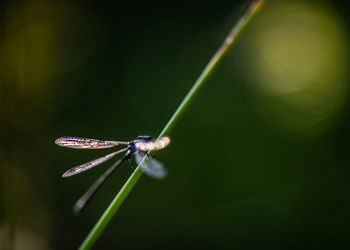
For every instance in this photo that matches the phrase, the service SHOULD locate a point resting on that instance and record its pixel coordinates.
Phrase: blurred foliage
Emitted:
(259, 161)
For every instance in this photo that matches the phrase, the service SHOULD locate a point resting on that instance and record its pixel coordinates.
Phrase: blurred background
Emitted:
(259, 161)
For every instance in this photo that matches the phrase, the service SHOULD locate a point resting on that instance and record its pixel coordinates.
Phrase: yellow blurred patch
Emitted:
(298, 55)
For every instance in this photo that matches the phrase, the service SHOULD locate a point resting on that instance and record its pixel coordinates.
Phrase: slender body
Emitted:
(138, 148)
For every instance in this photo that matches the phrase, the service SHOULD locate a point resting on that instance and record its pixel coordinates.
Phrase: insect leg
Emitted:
(130, 164)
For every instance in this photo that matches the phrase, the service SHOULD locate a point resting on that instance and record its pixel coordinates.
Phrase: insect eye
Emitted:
(144, 138)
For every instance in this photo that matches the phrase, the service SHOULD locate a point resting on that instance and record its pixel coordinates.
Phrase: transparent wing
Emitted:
(81, 203)
(85, 143)
(91, 164)
(151, 167)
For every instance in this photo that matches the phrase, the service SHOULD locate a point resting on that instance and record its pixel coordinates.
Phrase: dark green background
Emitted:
(237, 180)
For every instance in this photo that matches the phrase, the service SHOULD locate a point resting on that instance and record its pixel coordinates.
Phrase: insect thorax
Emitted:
(152, 145)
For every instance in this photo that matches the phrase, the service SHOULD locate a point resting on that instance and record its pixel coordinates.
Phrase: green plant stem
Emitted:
(230, 40)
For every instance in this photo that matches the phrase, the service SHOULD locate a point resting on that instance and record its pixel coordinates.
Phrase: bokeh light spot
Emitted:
(297, 57)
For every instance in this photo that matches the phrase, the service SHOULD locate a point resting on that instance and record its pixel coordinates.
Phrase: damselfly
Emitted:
(138, 147)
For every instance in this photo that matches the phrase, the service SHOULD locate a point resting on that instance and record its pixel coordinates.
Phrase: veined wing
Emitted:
(151, 167)
(91, 164)
(85, 143)
(81, 203)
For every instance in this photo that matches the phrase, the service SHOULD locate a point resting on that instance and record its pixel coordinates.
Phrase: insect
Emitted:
(138, 148)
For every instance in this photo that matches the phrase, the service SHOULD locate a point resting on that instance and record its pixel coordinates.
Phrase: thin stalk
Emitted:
(230, 40)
